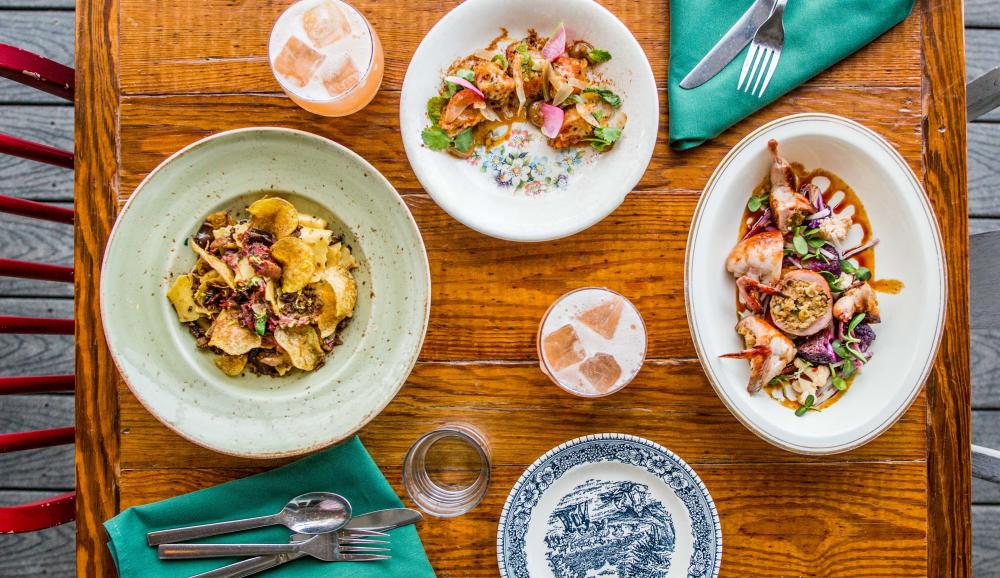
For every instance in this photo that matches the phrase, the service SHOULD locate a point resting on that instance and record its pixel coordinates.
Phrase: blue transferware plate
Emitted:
(609, 505)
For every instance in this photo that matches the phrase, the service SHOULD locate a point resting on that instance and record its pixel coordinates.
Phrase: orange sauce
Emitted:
(865, 258)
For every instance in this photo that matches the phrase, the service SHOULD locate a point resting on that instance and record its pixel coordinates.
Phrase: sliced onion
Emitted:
(819, 214)
(462, 82)
(576, 83)
(564, 92)
(618, 119)
(556, 45)
(489, 113)
(518, 82)
(552, 119)
(827, 254)
(852, 252)
(581, 109)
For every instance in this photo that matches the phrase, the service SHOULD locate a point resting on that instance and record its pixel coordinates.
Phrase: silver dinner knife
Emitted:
(726, 49)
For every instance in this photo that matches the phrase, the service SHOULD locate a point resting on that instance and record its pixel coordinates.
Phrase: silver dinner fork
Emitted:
(765, 50)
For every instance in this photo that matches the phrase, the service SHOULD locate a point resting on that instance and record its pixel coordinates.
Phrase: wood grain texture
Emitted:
(47, 468)
(163, 54)
(50, 125)
(949, 536)
(38, 241)
(46, 33)
(47, 553)
(96, 187)
(154, 127)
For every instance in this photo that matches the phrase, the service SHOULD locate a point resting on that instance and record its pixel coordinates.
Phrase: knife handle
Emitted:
(189, 551)
(249, 566)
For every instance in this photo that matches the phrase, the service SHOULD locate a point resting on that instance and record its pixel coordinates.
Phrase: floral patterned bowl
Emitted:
(522, 189)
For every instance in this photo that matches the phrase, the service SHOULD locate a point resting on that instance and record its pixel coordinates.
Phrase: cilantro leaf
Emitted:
(596, 56)
(466, 74)
(500, 60)
(435, 138)
(434, 106)
(463, 140)
(604, 137)
(608, 96)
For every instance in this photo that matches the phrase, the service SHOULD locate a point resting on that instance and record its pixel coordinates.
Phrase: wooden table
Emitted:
(157, 75)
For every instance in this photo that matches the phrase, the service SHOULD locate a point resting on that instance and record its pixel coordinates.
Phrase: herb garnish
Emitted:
(604, 137)
(608, 96)
(596, 56)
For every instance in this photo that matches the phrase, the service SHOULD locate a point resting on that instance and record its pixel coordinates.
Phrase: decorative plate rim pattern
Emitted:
(674, 459)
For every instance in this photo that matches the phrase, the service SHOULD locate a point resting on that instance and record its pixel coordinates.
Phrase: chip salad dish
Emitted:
(270, 291)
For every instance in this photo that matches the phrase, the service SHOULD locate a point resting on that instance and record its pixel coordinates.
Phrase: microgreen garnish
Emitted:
(832, 280)
(596, 56)
(805, 406)
(260, 322)
(860, 273)
(854, 323)
(756, 202)
(604, 137)
(608, 96)
(799, 242)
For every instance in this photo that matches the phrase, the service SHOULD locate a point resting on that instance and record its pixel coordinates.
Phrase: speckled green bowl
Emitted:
(250, 415)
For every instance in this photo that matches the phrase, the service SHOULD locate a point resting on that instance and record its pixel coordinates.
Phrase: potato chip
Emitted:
(274, 215)
(311, 221)
(296, 260)
(319, 241)
(215, 263)
(328, 319)
(340, 256)
(244, 272)
(302, 345)
(229, 335)
(344, 287)
(231, 365)
(181, 296)
(218, 219)
(279, 360)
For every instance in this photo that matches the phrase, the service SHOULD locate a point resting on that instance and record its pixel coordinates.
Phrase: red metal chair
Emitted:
(54, 78)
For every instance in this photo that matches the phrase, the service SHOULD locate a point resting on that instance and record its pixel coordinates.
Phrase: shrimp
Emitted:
(788, 207)
(858, 299)
(768, 351)
(756, 263)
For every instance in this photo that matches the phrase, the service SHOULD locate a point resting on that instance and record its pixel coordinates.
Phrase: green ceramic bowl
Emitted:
(250, 415)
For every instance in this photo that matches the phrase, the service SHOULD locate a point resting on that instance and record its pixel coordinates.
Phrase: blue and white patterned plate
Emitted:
(609, 505)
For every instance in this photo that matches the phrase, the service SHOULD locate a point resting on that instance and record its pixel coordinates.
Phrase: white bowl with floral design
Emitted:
(523, 189)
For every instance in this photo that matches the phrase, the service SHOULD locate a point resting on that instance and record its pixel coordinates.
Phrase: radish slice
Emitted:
(552, 119)
(462, 82)
(581, 109)
(556, 45)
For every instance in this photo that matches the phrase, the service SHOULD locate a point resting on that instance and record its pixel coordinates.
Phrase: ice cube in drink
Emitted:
(297, 61)
(562, 348)
(591, 342)
(325, 24)
(602, 371)
(339, 74)
(604, 318)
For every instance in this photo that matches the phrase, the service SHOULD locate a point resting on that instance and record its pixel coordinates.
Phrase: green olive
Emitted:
(535, 114)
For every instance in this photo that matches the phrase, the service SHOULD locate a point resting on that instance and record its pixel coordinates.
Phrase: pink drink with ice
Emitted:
(592, 342)
(326, 57)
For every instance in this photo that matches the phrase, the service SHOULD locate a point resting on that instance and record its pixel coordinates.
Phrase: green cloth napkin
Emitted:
(818, 33)
(346, 469)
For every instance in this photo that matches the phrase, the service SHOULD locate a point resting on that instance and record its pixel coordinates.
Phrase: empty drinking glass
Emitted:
(446, 472)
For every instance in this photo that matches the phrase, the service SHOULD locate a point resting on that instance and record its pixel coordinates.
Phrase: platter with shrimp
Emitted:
(815, 283)
(529, 121)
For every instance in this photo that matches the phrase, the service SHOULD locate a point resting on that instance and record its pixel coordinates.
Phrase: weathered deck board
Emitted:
(38, 241)
(51, 125)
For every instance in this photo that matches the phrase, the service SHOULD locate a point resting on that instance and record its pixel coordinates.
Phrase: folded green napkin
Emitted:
(346, 469)
(818, 33)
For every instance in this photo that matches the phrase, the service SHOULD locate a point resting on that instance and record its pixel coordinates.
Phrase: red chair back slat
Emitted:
(37, 383)
(36, 71)
(40, 438)
(36, 152)
(39, 271)
(39, 514)
(36, 325)
(35, 210)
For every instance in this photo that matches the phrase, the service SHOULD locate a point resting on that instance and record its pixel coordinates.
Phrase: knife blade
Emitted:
(726, 49)
(384, 520)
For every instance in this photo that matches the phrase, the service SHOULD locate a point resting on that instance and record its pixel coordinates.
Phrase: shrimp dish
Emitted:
(803, 270)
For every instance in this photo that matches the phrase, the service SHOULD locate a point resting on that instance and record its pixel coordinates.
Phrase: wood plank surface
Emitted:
(49, 125)
(39, 241)
(47, 468)
(949, 537)
(180, 82)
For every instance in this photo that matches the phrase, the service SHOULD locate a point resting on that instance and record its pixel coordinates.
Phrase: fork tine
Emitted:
(361, 541)
(361, 549)
(768, 53)
(362, 557)
(359, 532)
(770, 72)
(746, 64)
(754, 68)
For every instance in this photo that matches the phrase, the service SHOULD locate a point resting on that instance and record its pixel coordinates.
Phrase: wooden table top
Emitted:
(154, 76)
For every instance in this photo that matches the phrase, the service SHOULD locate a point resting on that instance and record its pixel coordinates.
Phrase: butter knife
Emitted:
(726, 49)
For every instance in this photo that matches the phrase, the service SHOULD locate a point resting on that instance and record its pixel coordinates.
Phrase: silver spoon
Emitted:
(312, 513)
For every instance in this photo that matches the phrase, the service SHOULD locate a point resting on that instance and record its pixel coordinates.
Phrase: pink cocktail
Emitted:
(591, 342)
(326, 57)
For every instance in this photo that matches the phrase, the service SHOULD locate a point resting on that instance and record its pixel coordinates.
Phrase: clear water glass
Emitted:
(446, 471)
